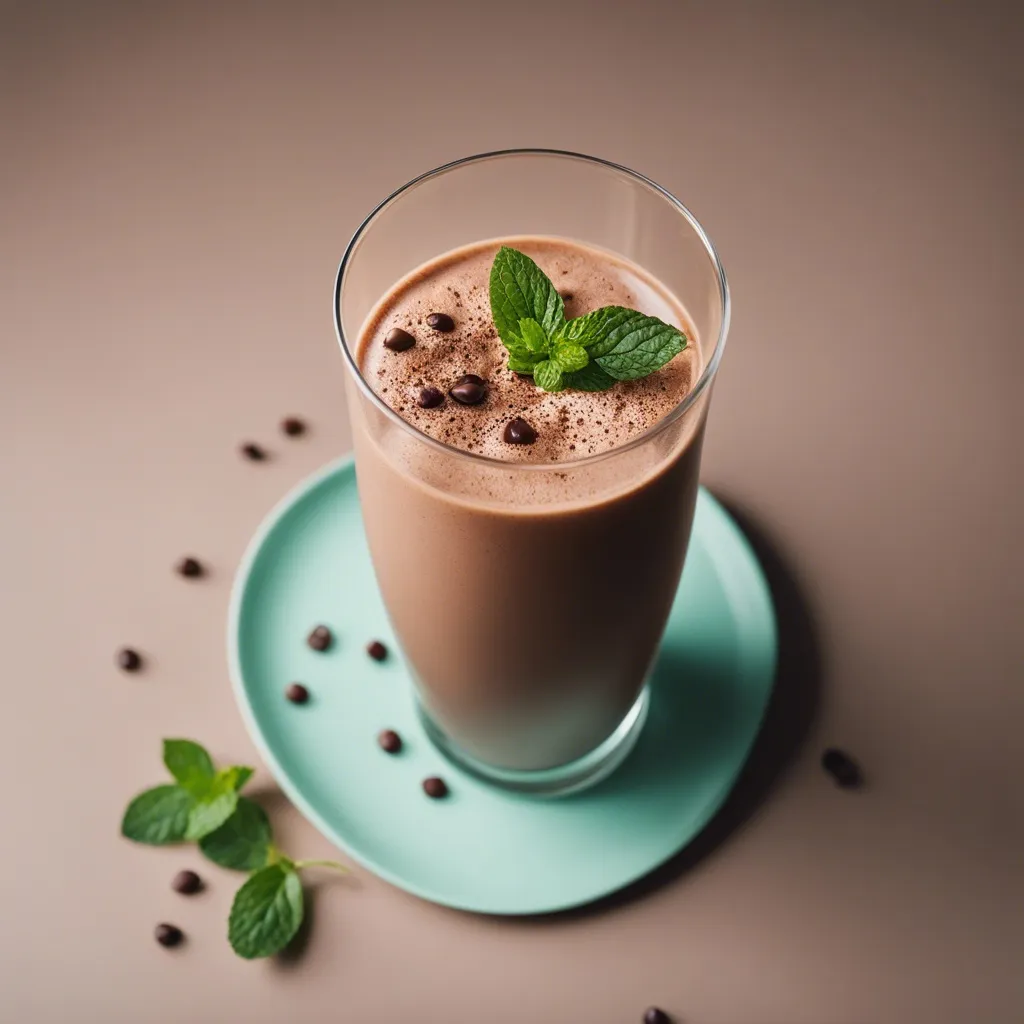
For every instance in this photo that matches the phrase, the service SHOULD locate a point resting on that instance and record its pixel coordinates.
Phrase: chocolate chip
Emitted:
(189, 567)
(390, 741)
(399, 340)
(469, 390)
(652, 1015)
(320, 638)
(377, 651)
(430, 398)
(129, 660)
(435, 787)
(441, 322)
(293, 426)
(187, 883)
(518, 431)
(297, 693)
(843, 769)
(168, 935)
(253, 452)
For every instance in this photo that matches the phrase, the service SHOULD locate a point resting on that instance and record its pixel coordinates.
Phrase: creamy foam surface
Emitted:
(569, 424)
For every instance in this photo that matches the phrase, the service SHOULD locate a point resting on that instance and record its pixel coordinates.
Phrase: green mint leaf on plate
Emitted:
(189, 763)
(534, 337)
(158, 816)
(266, 912)
(590, 378)
(625, 343)
(243, 842)
(520, 290)
(548, 376)
(569, 356)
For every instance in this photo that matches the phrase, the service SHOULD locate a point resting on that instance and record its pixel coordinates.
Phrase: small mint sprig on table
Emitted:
(589, 353)
(204, 804)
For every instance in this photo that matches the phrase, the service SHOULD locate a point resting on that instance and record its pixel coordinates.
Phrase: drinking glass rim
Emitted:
(707, 374)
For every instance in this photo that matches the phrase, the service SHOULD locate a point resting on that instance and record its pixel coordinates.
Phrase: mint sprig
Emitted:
(204, 804)
(588, 353)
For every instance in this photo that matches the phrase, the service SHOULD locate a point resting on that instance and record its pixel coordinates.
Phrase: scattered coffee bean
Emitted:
(652, 1015)
(430, 398)
(518, 431)
(377, 651)
(168, 935)
(187, 883)
(843, 769)
(293, 426)
(297, 693)
(469, 389)
(435, 787)
(189, 567)
(441, 322)
(253, 452)
(399, 340)
(320, 638)
(129, 660)
(390, 741)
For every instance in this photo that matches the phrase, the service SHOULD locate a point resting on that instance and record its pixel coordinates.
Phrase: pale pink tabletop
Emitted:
(176, 186)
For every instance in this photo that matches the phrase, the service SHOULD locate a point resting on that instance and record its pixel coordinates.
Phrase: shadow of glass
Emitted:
(689, 724)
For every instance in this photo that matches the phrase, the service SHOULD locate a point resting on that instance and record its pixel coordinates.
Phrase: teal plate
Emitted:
(484, 849)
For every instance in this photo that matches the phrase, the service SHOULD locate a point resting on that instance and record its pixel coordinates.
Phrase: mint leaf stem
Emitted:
(333, 864)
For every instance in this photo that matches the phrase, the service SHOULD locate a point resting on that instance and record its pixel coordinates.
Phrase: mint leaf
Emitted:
(189, 763)
(570, 357)
(625, 343)
(548, 376)
(266, 912)
(522, 363)
(158, 816)
(237, 775)
(534, 337)
(216, 802)
(243, 842)
(520, 290)
(590, 378)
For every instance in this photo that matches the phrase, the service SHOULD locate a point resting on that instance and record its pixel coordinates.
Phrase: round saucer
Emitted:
(481, 848)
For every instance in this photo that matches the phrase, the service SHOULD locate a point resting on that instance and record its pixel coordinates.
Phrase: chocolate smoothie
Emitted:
(530, 550)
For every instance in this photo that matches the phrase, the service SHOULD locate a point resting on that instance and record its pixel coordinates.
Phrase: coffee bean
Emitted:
(320, 638)
(390, 741)
(844, 770)
(377, 651)
(187, 883)
(293, 426)
(189, 567)
(430, 398)
(399, 340)
(652, 1015)
(297, 693)
(435, 787)
(253, 452)
(469, 390)
(129, 660)
(518, 431)
(168, 935)
(441, 322)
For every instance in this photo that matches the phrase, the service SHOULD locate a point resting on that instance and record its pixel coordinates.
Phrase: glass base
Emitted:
(549, 782)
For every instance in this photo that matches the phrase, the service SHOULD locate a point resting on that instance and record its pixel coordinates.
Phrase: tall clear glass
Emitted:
(530, 673)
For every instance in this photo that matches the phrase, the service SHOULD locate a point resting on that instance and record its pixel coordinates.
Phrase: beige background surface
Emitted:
(176, 185)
